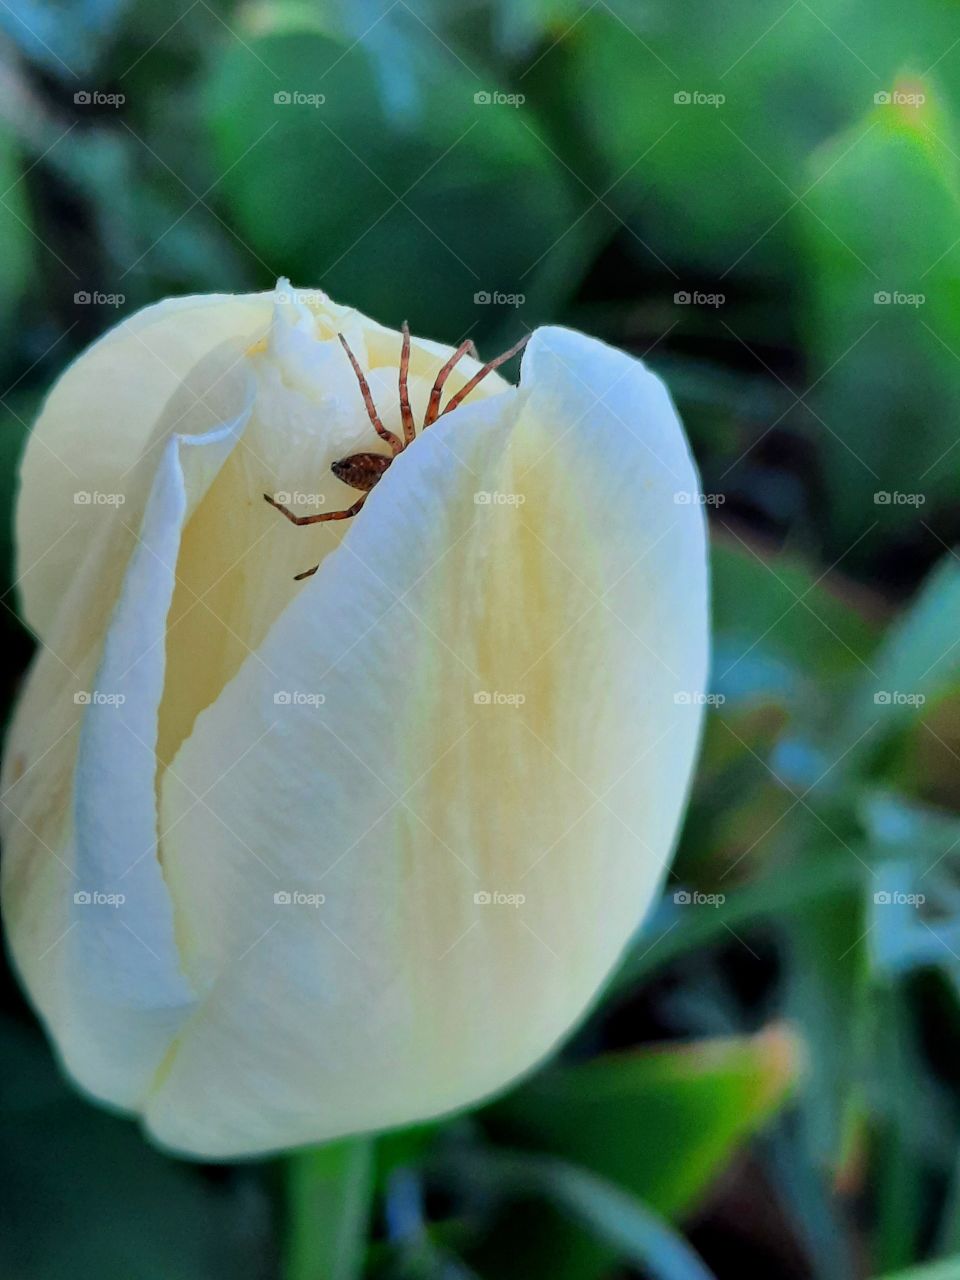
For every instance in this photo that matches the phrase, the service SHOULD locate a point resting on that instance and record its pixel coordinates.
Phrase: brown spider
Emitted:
(363, 470)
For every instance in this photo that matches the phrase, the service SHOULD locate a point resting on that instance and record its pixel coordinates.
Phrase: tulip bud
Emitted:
(290, 860)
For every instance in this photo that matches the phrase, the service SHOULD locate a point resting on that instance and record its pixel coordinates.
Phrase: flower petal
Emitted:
(89, 916)
(95, 424)
(375, 753)
(239, 557)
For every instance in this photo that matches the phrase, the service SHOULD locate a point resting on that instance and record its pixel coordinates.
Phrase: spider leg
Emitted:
(317, 519)
(333, 515)
(433, 407)
(472, 349)
(321, 517)
(482, 373)
(395, 443)
(406, 413)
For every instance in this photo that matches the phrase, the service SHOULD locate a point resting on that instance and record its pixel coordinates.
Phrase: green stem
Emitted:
(329, 1192)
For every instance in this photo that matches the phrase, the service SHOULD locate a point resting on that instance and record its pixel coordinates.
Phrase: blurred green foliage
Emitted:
(764, 203)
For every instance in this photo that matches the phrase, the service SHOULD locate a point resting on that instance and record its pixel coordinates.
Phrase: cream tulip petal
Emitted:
(36, 806)
(239, 556)
(109, 980)
(442, 794)
(235, 564)
(95, 424)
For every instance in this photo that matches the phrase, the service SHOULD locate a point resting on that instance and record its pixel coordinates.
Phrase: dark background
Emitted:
(762, 200)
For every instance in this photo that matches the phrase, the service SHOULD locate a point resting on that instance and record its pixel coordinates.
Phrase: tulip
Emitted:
(293, 860)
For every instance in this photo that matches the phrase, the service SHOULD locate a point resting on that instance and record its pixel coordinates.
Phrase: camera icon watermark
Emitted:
(898, 298)
(298, 898)
(86, 498)
(699, 298)
(498, 298)
(97, 98)
(897, 698)
(294, 498)
(692, 498)
(298, 698)
(307, 297)
(296, 98)
(96, 898)
(494, 98)
(696, 98)
(899, 98)
(694, 898)
(97, 698)
(494, 698)
(84, 298)
(494, 898)
(894, 498)
(895, 898)
(496, 498)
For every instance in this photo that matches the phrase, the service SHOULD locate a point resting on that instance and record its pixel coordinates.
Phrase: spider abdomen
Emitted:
(361, 470)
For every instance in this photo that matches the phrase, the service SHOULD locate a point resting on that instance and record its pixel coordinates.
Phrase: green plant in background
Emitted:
(772, 1071)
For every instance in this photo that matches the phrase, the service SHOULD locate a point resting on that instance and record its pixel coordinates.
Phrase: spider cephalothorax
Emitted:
(363, 470)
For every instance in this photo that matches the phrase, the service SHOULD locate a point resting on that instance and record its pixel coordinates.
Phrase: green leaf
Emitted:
(17, 259)
(917, 664)
(826, 948)
(407, 213)
(809, 884)
(330, 1190)
(914, 917)
(521, 23)
(778, 608)
(884, 317)
(632, 1230)
(86, 1195)
(912, 1118)
(660, 1122)
(921, 654)
(62, 39)
(679, 171)
(947, 1269)
(637, 1234)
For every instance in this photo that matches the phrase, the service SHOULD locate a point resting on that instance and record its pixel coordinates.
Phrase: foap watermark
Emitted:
(97, 898)
(494, 698)
(97, 98)
(894, 498)
(297, 98)
(308, 297)
(495, 498)
(697, 98)
(694, 898)
(495, 98)
(497, 298)
(97, 298)
(495, 898)
(697, 298)
(295, 498)
(694, 698)
(98, 698)
(896, 898)
(898, 698)
(897, 298)
(899, 98)
(86, 498)
(693, 498)
(298, 698)
(298, 898)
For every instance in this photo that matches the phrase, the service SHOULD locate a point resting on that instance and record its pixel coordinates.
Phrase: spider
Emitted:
(363, 470)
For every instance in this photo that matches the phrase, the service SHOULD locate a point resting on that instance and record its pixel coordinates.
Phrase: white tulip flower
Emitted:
(291, 860)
